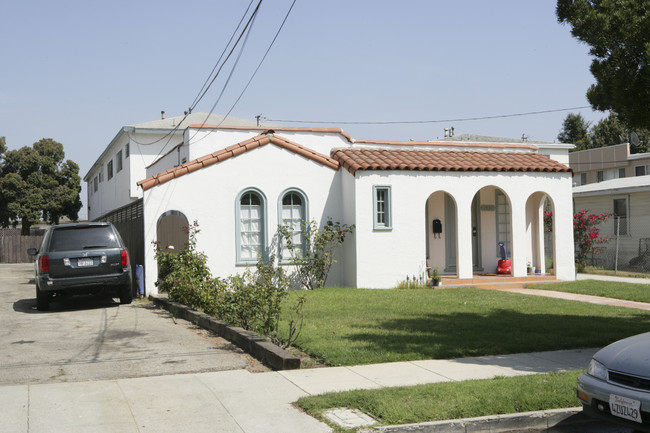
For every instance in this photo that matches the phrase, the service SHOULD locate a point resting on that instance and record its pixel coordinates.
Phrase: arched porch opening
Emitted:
(441, 228)
(491, 223)
(540, 240)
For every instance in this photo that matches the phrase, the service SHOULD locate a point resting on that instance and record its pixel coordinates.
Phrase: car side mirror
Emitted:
(32, 251)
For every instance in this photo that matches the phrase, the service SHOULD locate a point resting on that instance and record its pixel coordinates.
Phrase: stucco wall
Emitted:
(209, 197)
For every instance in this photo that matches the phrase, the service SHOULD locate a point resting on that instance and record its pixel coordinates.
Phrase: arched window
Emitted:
(251, 234)
(293, 213)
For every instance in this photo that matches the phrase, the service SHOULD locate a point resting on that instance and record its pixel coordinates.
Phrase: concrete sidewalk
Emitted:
(238, 401)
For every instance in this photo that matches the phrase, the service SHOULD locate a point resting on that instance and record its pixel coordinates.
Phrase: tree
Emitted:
(575, 130)
(608, 132)
(37, 184)
(619, 35)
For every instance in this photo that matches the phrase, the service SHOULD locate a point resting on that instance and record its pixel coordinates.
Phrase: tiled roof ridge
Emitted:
(267, 129)
(464, 144)
(444, 160)
(235, 150)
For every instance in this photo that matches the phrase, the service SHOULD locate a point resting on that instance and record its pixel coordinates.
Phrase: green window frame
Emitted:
(382, 207)
(251, 226)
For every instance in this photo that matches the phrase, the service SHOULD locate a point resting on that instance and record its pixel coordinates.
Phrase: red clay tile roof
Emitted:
(444, 160)
(235, 150)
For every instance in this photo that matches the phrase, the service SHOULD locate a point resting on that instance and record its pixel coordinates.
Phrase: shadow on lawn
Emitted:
(501, 331)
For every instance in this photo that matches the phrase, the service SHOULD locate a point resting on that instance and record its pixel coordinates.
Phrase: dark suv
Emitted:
(82, 259)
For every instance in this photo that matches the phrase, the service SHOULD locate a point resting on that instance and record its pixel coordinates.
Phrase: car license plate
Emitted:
(624, 407)
(85, 262)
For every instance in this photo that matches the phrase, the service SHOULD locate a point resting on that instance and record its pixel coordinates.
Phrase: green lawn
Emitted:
(345, 326)
(608, 289)
(453, 400)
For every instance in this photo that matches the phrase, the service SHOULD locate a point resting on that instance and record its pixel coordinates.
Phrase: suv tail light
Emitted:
(44, 264)
(124, 254)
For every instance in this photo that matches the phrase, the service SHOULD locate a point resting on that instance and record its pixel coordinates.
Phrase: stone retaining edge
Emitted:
(258, 347)
(540, 420)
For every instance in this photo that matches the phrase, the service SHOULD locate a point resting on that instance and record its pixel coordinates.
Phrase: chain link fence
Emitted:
(628, 248)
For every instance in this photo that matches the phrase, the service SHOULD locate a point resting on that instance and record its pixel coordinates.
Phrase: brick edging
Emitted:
(259, 347)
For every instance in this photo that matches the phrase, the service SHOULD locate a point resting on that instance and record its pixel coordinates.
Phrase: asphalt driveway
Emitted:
(87, 338)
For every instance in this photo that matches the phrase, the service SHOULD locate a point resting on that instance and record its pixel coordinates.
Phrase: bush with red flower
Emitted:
(586, 236)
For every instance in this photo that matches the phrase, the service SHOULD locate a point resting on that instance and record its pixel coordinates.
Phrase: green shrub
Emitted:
(313, 261)
(251, 300)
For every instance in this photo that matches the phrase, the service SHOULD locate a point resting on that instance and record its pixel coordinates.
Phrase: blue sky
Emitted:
(76, 71)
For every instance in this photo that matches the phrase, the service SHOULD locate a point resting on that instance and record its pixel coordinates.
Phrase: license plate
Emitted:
(85, 262)
(624, 407)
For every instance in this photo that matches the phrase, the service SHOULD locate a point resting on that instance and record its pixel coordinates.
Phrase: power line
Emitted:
(395, 122)
(254, 72)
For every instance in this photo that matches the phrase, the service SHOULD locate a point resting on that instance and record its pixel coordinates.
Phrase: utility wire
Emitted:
(254, 72)
(427, 121)
(245, 30)
(204, 90)
(196, 99)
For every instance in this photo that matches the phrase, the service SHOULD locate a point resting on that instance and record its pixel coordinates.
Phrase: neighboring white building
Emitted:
(240, 182)
(613, 181)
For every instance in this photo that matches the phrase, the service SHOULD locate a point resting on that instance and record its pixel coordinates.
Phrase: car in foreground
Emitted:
(616, 385)
(85, 258)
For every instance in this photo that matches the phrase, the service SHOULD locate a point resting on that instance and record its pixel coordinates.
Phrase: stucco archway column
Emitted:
(564, 262)
(464, 242)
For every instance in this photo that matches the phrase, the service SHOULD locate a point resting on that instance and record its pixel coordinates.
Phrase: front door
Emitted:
(450, 234)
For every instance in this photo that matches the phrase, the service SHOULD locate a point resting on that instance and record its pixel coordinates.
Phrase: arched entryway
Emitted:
(171, 231)
(540, 251)
(441, 232)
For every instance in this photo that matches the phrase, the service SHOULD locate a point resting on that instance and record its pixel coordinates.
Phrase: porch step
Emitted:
(496, 281)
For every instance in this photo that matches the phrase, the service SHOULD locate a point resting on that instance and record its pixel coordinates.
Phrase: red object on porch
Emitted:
(504, 266)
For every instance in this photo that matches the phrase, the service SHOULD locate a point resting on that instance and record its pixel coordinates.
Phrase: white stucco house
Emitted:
(240, 180)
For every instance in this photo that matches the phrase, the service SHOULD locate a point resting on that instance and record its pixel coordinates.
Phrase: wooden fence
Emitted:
(13, 246)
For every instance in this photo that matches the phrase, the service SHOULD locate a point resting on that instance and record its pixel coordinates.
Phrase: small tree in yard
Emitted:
(313, 262)
(586, 236)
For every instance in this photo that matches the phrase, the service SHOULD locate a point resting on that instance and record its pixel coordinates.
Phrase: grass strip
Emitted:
(454, 400)
(608, 289)
(345, 326)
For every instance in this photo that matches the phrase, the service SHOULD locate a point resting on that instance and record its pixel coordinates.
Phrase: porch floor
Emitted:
(495, 281)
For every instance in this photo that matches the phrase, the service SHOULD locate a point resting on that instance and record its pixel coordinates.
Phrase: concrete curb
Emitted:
(540, 420)
(259, 347)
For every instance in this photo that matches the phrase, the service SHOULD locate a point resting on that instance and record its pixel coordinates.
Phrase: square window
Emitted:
(600, 176)
(621, 173)
(640, 170)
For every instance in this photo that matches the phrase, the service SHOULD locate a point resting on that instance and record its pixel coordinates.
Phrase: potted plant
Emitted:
(531, 269)
(435, 277)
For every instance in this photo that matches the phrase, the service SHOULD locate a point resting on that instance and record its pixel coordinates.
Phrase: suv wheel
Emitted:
(42, 300)
(126, 295)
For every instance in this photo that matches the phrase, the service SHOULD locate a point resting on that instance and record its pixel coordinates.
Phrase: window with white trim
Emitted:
(251, 234)
(293, 214)
(95, 183)
(382, 218)
(109, 170)
(118, 160)
(621, 208)
(641, 170)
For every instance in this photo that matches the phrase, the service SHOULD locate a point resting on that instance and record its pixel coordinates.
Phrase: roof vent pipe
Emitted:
(451, 131)
(162, 115)
(446, 132)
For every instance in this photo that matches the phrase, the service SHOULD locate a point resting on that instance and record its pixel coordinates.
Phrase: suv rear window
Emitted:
(83, 238)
